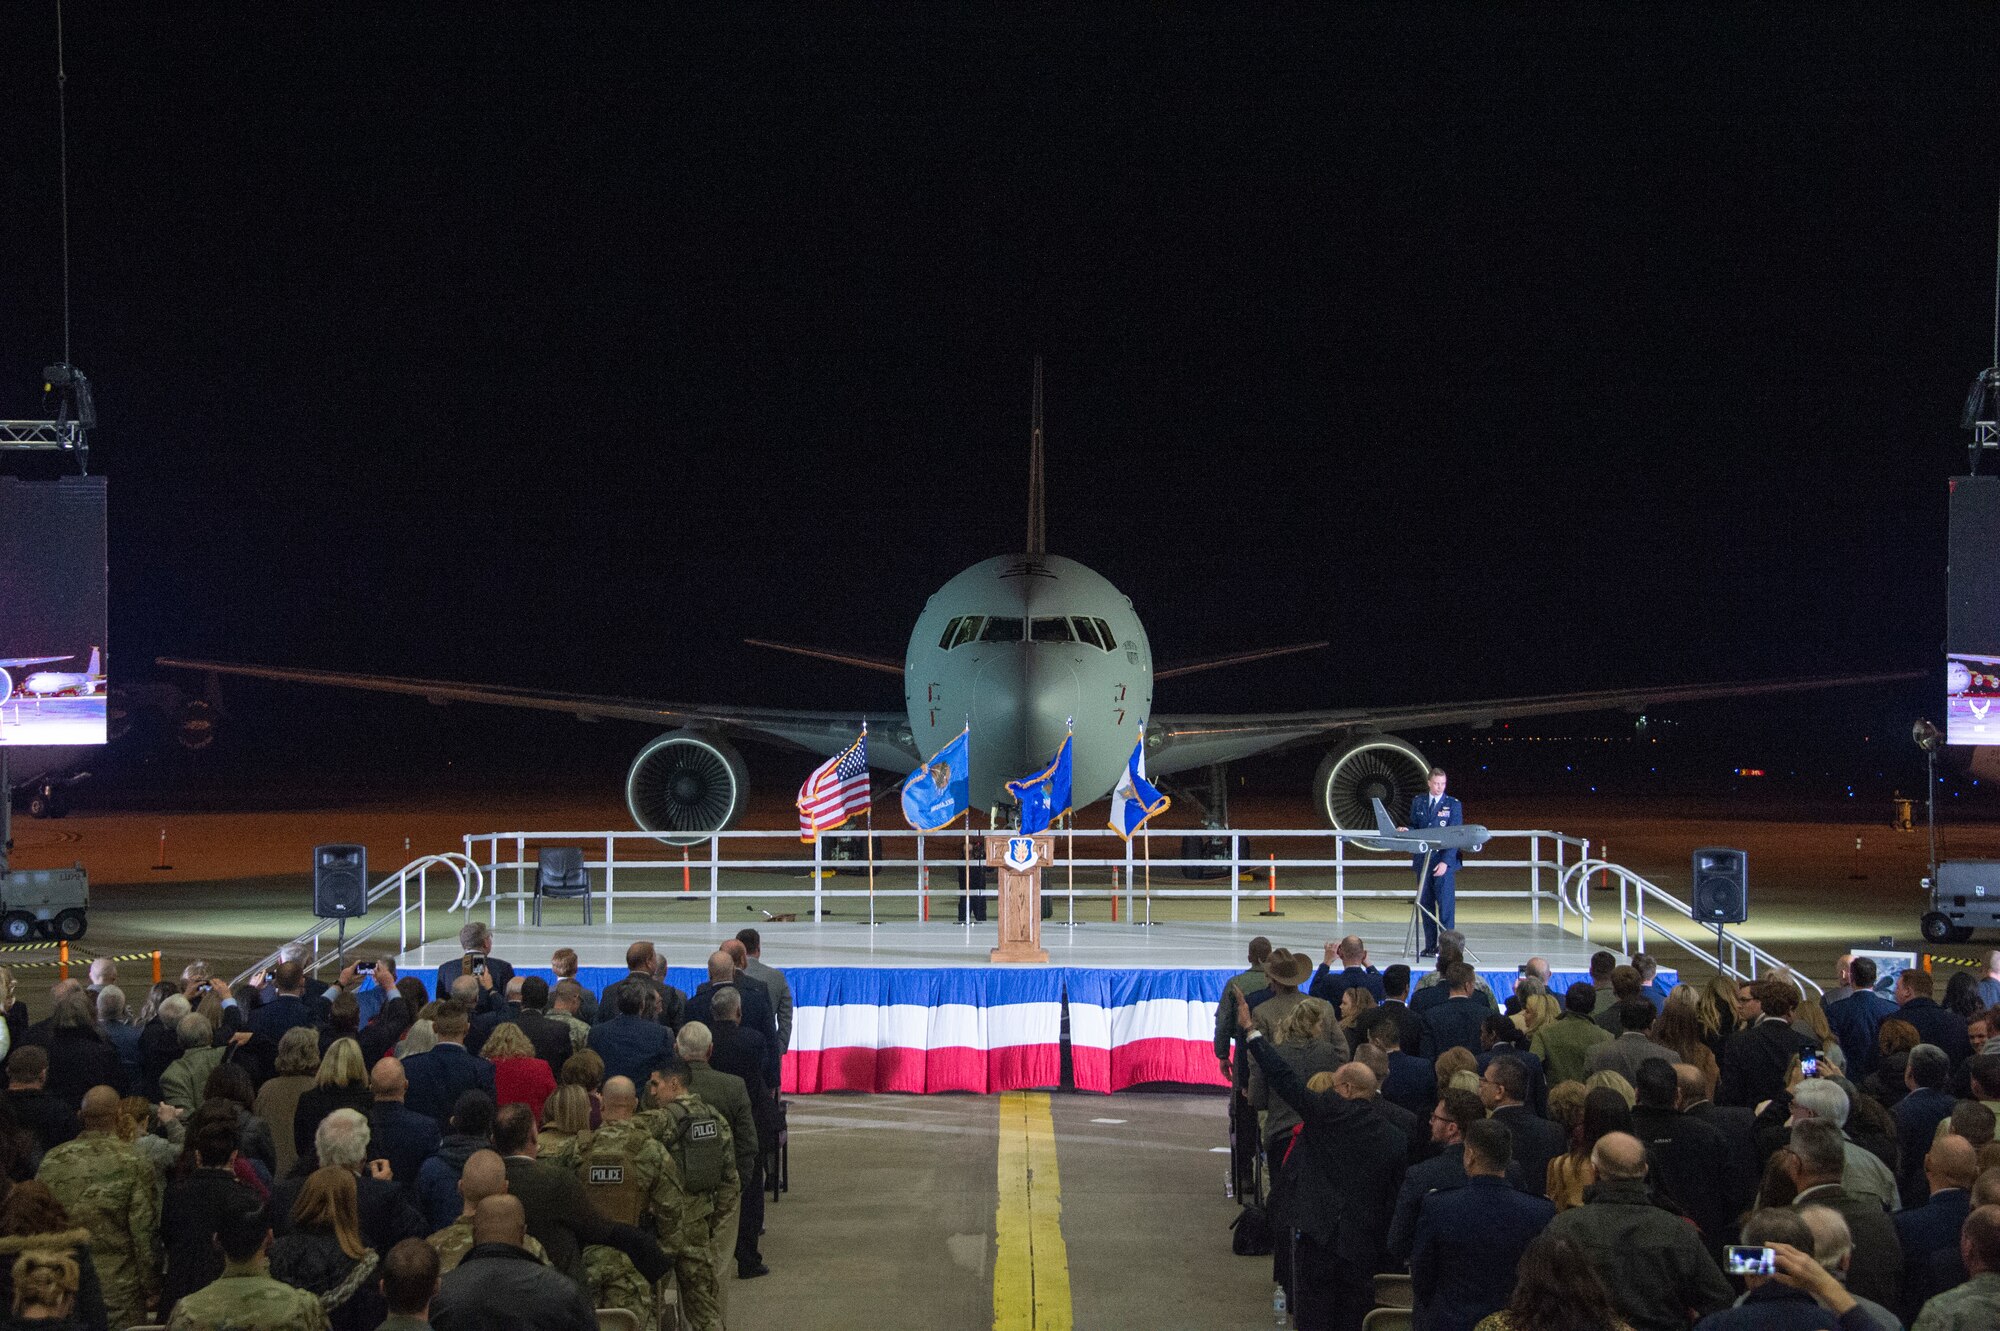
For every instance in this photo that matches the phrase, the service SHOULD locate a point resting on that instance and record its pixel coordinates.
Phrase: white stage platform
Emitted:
(53, 721)
(1178, 945)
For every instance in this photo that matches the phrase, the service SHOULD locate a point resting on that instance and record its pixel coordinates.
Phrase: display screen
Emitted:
(52, 611)
(1972, 613)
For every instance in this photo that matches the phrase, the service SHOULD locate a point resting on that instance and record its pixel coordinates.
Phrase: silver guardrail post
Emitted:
(1235, 876)
(714, 874)
(610, 871)
(520, 885)
(819, 863)
(1535, 879)
(1339, 878)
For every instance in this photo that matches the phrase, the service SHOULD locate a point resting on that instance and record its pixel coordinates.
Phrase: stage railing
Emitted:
(411, 885)
(1733, 955)
(1129, 873)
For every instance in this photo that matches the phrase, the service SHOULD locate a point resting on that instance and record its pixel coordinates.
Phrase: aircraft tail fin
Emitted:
(96, 663)
(1038, 516)
(1383, 822)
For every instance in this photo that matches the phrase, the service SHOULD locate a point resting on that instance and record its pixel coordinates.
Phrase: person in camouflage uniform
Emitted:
(630, 1178)
(688, 1232)
(108, 1188)
(245, 1297)
(484, 1175)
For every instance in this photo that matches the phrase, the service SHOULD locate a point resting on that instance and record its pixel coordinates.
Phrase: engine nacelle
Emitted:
(685, 785)
(1374, 767)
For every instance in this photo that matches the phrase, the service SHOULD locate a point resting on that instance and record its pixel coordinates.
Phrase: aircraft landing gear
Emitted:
(48, 801)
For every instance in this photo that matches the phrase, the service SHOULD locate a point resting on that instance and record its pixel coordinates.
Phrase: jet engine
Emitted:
(685, 785)
(1374, 767)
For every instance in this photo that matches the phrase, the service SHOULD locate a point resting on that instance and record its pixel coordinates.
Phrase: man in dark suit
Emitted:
(1355, 973)
(644, 969)
(757, 1013)
(1503, 1087)
(1815, 1160)
(1856, 1019)
(1758, 1057)
(630, 1044)
(194, 1211)
(1938, 1026)
(1469, 1239)
(1351, 1165)
(487, 1018)
(1499, 1037)
(1437, 872)
(1925, 1231)
(1455, 1023)
(1684, 1152)
(475, 940)
(1455, 1112)
(440, 1075)
(1734, 1124)
(1395, 1008)
(549, 1036)
(284, 1009)
(1412, 1079)
(396, 1132)
(560, 1214)
(1918, 1114)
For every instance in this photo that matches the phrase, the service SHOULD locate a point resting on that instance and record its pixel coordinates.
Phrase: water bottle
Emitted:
(1278, 1305)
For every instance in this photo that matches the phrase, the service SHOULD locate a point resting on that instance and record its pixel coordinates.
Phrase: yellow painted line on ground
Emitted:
(1031, 1268)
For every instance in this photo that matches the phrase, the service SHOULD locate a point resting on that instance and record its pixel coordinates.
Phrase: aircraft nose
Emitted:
(1052, 705)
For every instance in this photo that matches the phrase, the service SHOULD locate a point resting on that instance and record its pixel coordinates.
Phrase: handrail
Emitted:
(1643, 889)
(462, 866)
(1081, 873)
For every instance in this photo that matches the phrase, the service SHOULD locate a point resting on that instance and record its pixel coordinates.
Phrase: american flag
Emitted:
(836, 791)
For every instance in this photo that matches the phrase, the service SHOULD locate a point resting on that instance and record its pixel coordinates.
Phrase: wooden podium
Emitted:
(1020, 860)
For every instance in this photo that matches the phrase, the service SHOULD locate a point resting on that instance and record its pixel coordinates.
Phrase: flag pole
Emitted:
(965, 880)
(1069, 826)
(1146, 842)
(871, 861)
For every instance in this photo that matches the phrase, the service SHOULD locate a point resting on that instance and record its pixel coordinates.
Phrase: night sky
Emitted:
(568, 347)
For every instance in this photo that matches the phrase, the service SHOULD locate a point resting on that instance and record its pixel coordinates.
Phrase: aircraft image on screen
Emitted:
(10, 663)
(1426, 840)
(67, 683)
(1018, 647)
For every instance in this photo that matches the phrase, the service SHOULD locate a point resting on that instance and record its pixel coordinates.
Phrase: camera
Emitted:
(363, 964)
(474, 963)
(1742, 1261)
(1809, 1065)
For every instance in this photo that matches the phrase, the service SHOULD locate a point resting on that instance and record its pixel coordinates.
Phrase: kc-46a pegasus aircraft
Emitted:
(1020, 646)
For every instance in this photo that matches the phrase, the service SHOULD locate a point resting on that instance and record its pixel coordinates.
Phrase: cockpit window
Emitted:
(960, 631)
(1000, 629)
(1104, 632)
(1086, 631)
(1052, 629)
(945, 639)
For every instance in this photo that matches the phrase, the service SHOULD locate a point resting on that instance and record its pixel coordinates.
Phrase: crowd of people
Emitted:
(1618, 1154)
(484, 1150)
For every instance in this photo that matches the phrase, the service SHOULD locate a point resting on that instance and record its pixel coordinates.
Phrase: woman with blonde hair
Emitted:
(1678, 1027)
(519, 1076)
(1537, 1011)
(33, 1221)
(1613, 1081)
(421, 1038)
(1719, 1013)
(340, 1083)
(323, 1253)
(565, 1115)
(277, 1101)
(45, 1286)
(585, 1069)
(1355, 1005)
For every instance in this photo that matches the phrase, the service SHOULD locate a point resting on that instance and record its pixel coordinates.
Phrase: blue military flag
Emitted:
(1044, 796)
(938, 792)
(1135, 800)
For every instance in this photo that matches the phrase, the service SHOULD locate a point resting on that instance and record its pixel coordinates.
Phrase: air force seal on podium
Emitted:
(1020, 853)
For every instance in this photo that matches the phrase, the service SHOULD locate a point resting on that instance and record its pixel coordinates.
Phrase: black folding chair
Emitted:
(560, 874)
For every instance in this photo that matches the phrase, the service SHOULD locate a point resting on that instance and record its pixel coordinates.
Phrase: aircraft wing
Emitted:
(824, 732)
(10, 662)
(1178, 743)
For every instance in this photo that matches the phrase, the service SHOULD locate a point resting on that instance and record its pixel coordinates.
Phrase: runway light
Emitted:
(1749, 771)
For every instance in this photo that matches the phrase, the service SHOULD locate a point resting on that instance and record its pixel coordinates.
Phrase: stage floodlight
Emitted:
(67, 390)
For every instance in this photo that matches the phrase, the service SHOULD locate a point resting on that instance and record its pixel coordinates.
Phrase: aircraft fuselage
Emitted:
(1021, 646)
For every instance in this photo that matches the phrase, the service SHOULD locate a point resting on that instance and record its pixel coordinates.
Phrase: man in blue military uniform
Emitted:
(1436, 888)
